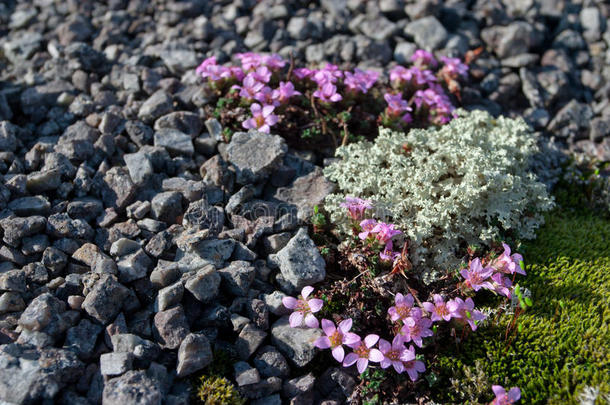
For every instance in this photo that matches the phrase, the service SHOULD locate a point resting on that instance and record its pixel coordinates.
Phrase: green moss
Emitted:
(564, 342)
(214, 390)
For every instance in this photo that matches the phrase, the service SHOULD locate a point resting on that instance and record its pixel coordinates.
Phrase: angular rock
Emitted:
(167, 206)
(428, 33)
(174, 141)
(31, 375)
(160, 103)
(170, 296)
(249, 340)
(194, 354)
(134, 266)
(133, 387)
(105, 299)
(238, 277)
(294, 343)
(140, 167)
(27, 206)
(81, 338)
(170, 327)
(270, 363)
(254, 155)
(300, 262)
(113, 364)
(119, 190)
(204, 284)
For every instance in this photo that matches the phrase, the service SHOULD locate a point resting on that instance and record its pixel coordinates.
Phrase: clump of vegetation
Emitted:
(561, 349)
(464, 183)
(215, 390)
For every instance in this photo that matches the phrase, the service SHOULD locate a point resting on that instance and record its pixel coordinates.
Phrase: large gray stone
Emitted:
(174, 141)
(133, 387)
(238, 277)
(31, 375)
(300, 263)
(428, 32)
(254, 155)
(204, 284)
(295, 344)
(105, 299)
(194, 354)
(170, 327)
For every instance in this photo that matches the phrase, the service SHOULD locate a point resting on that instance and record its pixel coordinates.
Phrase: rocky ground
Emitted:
(135, 242)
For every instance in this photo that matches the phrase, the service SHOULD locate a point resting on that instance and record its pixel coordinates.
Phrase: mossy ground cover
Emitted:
(564, 340)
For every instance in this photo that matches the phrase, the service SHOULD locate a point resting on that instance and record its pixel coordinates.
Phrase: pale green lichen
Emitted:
(467, 182)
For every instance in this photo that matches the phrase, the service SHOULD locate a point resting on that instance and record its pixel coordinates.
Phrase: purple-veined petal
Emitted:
(323, 342)
(296, 319)
(315, 304)
(362, 364)
(398, 366)
(350, 338)
(385, 363)
(328, 327)
(289, 302)
(350, 359)
(384, 345)
(345, 325)
(255, 108)
(375, 355)
(338, 353)
(267, 110)
(311, 321)
(370, 340)
(306, 291)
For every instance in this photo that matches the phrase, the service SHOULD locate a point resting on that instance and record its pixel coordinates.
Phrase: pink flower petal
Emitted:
(311, 321)
(375, 355)
(384, 345)
(306, 291)
(265, 129)
(255, 108)
(328, 327)
(323, 342)
(398, 366)
(351, 338)
(295, 319)
(289, 302)
(514, 394)
(498, 389)
(267, 110)
(315, 304)
(385, 363)
(345, 325)
(370, 340)
(362, 364)
(350, 359)
(338, 353)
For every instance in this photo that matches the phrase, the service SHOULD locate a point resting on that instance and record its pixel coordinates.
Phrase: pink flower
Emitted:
(402, 308)
(360, 80)
(465, 310)
(273, 61)
(363, 353)
(505, 398)
(303, 73)
(396, 104)
(422, 57)
(249, 60)
(393, 354)
(367, 226)
(475, 277)
(454, 67)
(265, 96)
(262, 118)
(415, 329)
(303, 308)
(328, 92)
(237, 72)
(400, 73)
(250, 87)
(329, 74)
(356, 207)
(412, 366)
(388, 253)
(507, 263)
(210, 70)
(336, 337)
(284, 92)
(211, 61)
(422, 77)
(502, 284)
(385, 232)
(262, 74)
(438, 311)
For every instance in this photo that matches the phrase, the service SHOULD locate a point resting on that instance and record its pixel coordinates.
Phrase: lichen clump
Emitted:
(215, 390)
(467, 182)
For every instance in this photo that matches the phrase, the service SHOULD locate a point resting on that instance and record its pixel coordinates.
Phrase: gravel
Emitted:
(136, 241)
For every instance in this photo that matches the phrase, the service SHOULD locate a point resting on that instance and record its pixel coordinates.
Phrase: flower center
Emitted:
(336, 339)
(302, 306)
(442, 310)
(393, 355)
(260, 121)
(362, 351)
(403, 311)
(415, 330)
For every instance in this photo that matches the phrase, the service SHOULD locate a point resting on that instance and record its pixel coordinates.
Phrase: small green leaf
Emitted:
(528, 301)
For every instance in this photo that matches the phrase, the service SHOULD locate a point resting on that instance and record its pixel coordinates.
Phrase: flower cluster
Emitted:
(274, 91)
(420, 84)
(363, 350)
(494, 276)
(505, 398)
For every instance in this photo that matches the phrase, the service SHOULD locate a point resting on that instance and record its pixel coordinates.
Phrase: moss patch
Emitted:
(564, 343)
